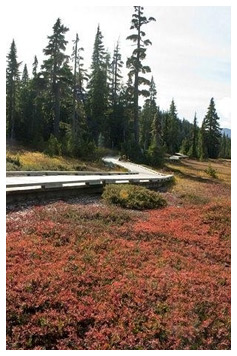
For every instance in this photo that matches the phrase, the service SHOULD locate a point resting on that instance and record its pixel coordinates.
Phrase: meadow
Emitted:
(85, 275)
(19, 158)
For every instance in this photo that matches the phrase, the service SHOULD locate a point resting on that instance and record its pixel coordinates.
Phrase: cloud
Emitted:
(190, 59)
(223, 108)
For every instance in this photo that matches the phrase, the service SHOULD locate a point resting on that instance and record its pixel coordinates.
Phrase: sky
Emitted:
(190, 56)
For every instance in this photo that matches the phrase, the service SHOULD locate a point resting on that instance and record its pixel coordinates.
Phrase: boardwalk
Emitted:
(136, 174)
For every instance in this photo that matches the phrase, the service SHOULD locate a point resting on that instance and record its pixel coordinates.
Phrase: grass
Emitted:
(100, 277)
(195, 186)
(20, 158)
(199, 170)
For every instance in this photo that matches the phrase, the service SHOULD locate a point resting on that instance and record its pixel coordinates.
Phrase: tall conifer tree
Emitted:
(173, 142)
(35, 67)
(25, 75)
(56, 68)
(97, 89)
(156, 148)
(78, 78)
(134, 63)
(37, 86)
(12, 89)
(211, 133)
(116, 122)
(194, 143)
(117, 64)
(25, 107)
(147, 116)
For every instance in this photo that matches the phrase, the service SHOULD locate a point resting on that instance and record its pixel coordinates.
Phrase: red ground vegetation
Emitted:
(118, 280)
(97, 277)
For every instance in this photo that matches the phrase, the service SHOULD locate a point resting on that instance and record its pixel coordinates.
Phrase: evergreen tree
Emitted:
(12, 89)
(117, 64)
(156, 149)
(25, 76)
(156, 128)
(147, 117)
(38, 99)
(173, 140)
(127, 100)
(116, 120)
(193, 152)
(134, 63)
(55, 69)
(211, 131)
(35, 67)
(25, 107)
(106, 128)
(225, 147)
(97, 89)
(77, 83)
(165, 128)
(185, 146)
(78, 135)
(185, 133)
(228, 147)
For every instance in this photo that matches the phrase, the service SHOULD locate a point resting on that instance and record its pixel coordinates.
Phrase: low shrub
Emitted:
(13, 163)
(11, 167)
(132, 197)
(211, 172)
(53, 146)
(14, 160)
(155, 155)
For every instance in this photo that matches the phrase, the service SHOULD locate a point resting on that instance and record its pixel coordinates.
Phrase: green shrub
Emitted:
(156, 155)
(14, 160)
(13, 163)
(211, 171)
(11, 167)
(132, 197)
(53, 146)
(85, 149)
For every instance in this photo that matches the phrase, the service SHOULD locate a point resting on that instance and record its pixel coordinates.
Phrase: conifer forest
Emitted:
(61, 107)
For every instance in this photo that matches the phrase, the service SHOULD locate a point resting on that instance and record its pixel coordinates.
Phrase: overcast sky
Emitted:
(189, 56)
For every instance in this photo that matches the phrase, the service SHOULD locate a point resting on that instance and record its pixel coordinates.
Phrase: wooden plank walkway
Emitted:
(42, 181)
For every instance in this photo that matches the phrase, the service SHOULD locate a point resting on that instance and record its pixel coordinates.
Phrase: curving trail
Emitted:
(32, 180)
